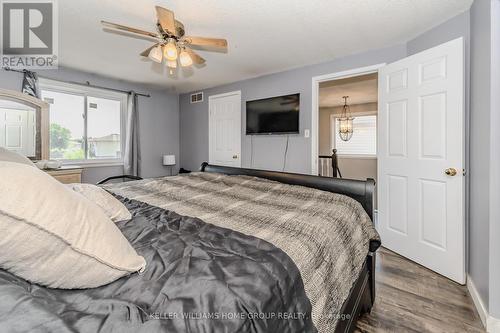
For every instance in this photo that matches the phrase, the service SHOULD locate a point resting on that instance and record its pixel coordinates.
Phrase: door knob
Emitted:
(235, 156)
(450, 172)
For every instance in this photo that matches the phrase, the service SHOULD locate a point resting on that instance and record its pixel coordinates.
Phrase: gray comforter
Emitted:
(199, 278)
(327, 235)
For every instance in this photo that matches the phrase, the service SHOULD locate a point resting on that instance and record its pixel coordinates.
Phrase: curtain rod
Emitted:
(87, 83)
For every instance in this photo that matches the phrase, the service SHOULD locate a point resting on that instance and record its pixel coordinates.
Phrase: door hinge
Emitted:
(464, 172)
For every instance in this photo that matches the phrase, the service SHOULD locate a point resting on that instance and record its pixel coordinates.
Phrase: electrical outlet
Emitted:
(306, 133)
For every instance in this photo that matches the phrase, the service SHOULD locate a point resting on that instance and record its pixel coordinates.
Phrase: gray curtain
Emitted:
(132, 156)
(30, 84)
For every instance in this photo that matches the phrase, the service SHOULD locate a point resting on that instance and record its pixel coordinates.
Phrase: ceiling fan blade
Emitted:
(195, 57)
(207, 42)
(145, 53)
(179, 29)
(166, 19)
(129, 29)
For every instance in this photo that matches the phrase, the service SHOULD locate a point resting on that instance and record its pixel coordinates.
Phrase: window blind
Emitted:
(364, 138)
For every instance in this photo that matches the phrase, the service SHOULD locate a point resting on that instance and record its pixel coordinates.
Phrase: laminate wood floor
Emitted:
(411, 298)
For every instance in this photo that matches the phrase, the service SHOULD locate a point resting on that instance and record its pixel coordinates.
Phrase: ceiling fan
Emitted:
(171, 43)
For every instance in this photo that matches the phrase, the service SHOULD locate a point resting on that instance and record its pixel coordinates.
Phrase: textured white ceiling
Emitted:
(264, 36)
(360, 89)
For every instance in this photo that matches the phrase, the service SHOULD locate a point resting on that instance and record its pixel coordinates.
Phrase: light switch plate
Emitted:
(306, 133)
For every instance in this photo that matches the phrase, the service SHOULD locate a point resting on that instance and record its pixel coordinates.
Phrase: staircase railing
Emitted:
(328, 165)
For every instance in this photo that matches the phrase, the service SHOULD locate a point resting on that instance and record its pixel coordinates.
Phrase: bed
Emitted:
(362, 292)
(228, 250)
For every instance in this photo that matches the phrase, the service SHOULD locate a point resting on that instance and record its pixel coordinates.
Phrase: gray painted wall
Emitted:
(480, 147)
(268, 151)
(494, 304)
(358, 168)
(455, 27)
(158, 119)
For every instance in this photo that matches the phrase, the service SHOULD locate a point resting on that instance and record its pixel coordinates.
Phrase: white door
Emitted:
(17, 131)
(224, 133)
(420, 147)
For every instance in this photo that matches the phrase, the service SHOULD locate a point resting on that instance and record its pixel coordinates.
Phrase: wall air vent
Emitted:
(48, 100)
(93, 105)
(197, 97)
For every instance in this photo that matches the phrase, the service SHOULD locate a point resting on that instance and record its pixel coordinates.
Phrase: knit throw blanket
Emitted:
(326, 234)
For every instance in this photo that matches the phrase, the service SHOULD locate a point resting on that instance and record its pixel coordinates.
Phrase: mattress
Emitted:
(199, 278)
(326, 235)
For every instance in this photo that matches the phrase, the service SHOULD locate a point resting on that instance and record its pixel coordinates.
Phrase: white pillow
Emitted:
(12, 156)
(54, 236)
(113, 208)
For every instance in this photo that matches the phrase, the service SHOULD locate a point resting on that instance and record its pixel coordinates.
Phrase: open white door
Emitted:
(224, 131)
(421, 158)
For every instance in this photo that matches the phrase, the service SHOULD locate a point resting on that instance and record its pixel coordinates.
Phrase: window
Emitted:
(364, 138)
(86, 124)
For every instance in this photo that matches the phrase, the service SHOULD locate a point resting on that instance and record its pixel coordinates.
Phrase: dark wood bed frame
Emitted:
(362, 294)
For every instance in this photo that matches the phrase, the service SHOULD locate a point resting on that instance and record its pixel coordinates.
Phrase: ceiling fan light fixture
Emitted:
(171, 41)
(170, 50)
(156, 54)
(185, 59)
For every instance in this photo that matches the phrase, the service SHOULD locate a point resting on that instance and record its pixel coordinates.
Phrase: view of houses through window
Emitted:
(103, 128)
(85, 126)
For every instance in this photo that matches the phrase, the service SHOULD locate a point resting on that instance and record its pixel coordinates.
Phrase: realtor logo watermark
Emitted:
(29, 34)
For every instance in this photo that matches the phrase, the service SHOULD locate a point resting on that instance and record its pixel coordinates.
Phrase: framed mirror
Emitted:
(24, 124)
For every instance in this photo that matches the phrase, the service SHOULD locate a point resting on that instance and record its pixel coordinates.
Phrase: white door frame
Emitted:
(316, 80)
(212, 97)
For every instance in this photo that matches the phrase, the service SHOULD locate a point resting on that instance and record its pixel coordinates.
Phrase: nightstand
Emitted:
(67, 174)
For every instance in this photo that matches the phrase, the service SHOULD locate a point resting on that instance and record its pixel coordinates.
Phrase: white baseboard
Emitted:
(478, 302)
(491, 324)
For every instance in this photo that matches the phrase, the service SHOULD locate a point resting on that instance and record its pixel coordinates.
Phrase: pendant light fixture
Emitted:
(345, 122)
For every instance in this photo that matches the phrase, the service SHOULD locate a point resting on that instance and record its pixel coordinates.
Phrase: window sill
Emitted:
(85, 165)
(362, 157)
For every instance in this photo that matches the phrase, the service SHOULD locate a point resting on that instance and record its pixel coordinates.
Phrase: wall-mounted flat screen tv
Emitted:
(276, 115)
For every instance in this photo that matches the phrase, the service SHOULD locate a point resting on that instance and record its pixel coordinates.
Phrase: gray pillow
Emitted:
(11, 156)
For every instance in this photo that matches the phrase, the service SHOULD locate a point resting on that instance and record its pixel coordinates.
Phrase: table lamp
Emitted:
(169, 160)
